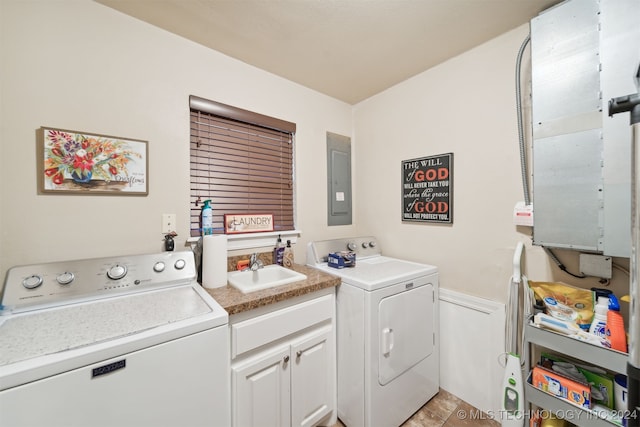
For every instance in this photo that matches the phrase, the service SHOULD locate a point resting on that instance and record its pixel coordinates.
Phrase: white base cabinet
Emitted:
(310, 379)
(283, 365)
(262, 391)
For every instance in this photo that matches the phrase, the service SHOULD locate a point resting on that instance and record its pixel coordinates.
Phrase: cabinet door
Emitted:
(261, 390)
(311, 379)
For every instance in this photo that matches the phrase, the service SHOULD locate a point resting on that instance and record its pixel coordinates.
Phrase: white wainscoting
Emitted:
(471, 342)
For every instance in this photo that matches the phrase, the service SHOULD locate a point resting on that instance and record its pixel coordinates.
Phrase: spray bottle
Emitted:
(207, 218)
(615, 326)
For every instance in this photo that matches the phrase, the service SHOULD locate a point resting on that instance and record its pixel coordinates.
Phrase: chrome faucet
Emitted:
(254, 262)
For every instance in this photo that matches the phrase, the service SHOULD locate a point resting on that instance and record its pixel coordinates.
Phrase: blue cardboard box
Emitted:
(341, 259)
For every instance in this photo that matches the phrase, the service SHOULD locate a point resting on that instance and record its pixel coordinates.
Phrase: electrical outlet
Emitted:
(596, 265)
(168, 223)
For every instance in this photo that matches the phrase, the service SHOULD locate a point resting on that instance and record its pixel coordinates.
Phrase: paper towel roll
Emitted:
(214, 261)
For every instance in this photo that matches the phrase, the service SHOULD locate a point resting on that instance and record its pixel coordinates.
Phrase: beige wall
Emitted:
(465, 106)
(76, 64)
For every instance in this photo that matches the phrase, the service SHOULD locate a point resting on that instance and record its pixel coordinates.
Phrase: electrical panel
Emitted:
(338, 179)
(583, 53)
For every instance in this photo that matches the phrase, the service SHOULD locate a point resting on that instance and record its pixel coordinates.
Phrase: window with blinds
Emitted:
(241, 161)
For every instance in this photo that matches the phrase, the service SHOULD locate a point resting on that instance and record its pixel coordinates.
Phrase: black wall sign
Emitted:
(427, 189)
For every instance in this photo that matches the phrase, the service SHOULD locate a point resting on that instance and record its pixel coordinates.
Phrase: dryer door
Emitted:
(405, 331)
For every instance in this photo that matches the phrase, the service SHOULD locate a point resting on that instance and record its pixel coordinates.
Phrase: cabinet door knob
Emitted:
(299, 354)
(286, 359)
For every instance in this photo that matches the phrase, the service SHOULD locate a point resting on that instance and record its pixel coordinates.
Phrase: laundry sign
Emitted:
(247, 223)
(427, 189)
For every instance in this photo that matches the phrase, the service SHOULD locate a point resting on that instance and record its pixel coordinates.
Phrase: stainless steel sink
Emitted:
(266, 277)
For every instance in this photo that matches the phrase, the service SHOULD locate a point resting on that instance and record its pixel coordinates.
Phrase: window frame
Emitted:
(238, 119)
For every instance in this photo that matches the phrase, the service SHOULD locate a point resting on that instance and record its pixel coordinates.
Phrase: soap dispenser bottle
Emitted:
(278, 252)
(287, 259)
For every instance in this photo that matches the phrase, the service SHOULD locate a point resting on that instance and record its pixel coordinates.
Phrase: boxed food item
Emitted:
(597, 378)
(602, 382)
(341, 259)
(559, 386)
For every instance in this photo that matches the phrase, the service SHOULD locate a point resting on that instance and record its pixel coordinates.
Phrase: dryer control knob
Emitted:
(365, 245)
(351, 246)
(158, 267)
(180, 264)
(372, 244)
(117, 272)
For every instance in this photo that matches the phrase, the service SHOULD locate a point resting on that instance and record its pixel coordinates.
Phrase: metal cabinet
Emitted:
(583, 52)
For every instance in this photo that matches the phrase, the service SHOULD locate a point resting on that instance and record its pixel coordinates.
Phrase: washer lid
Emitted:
(56, 330)
(380, 271)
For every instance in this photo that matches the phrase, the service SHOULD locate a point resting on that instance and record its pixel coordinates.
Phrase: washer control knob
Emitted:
(365, 245)
(351, 246)
(180, 264)
(117, 272)
(65, 278)
(32, 282)
(158, 267)
(372, 244)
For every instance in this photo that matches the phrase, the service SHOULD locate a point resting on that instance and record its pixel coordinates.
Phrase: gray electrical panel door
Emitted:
(581, 166)
(338, 179)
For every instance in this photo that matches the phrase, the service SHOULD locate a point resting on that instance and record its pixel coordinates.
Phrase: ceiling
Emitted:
(347, 49)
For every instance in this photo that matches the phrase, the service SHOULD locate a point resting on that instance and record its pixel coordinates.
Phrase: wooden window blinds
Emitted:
(241, 161)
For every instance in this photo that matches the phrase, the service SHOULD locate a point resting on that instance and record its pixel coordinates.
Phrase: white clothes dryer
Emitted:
(387, 333)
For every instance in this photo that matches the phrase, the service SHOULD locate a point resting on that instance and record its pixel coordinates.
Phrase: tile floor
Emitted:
(446, 410)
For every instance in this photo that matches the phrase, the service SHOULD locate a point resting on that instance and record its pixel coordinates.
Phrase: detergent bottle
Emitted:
(599, 322)
(615, 326)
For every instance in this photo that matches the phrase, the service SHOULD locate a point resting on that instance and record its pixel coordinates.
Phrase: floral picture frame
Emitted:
(85, 163)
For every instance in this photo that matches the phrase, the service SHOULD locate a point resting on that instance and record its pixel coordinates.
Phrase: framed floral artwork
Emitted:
(79, 162)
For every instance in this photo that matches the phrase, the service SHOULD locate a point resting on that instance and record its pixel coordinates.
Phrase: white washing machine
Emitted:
(387, 333)
(129, 341)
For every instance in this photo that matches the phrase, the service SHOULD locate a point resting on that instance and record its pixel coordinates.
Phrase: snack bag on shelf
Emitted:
(565, 302)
